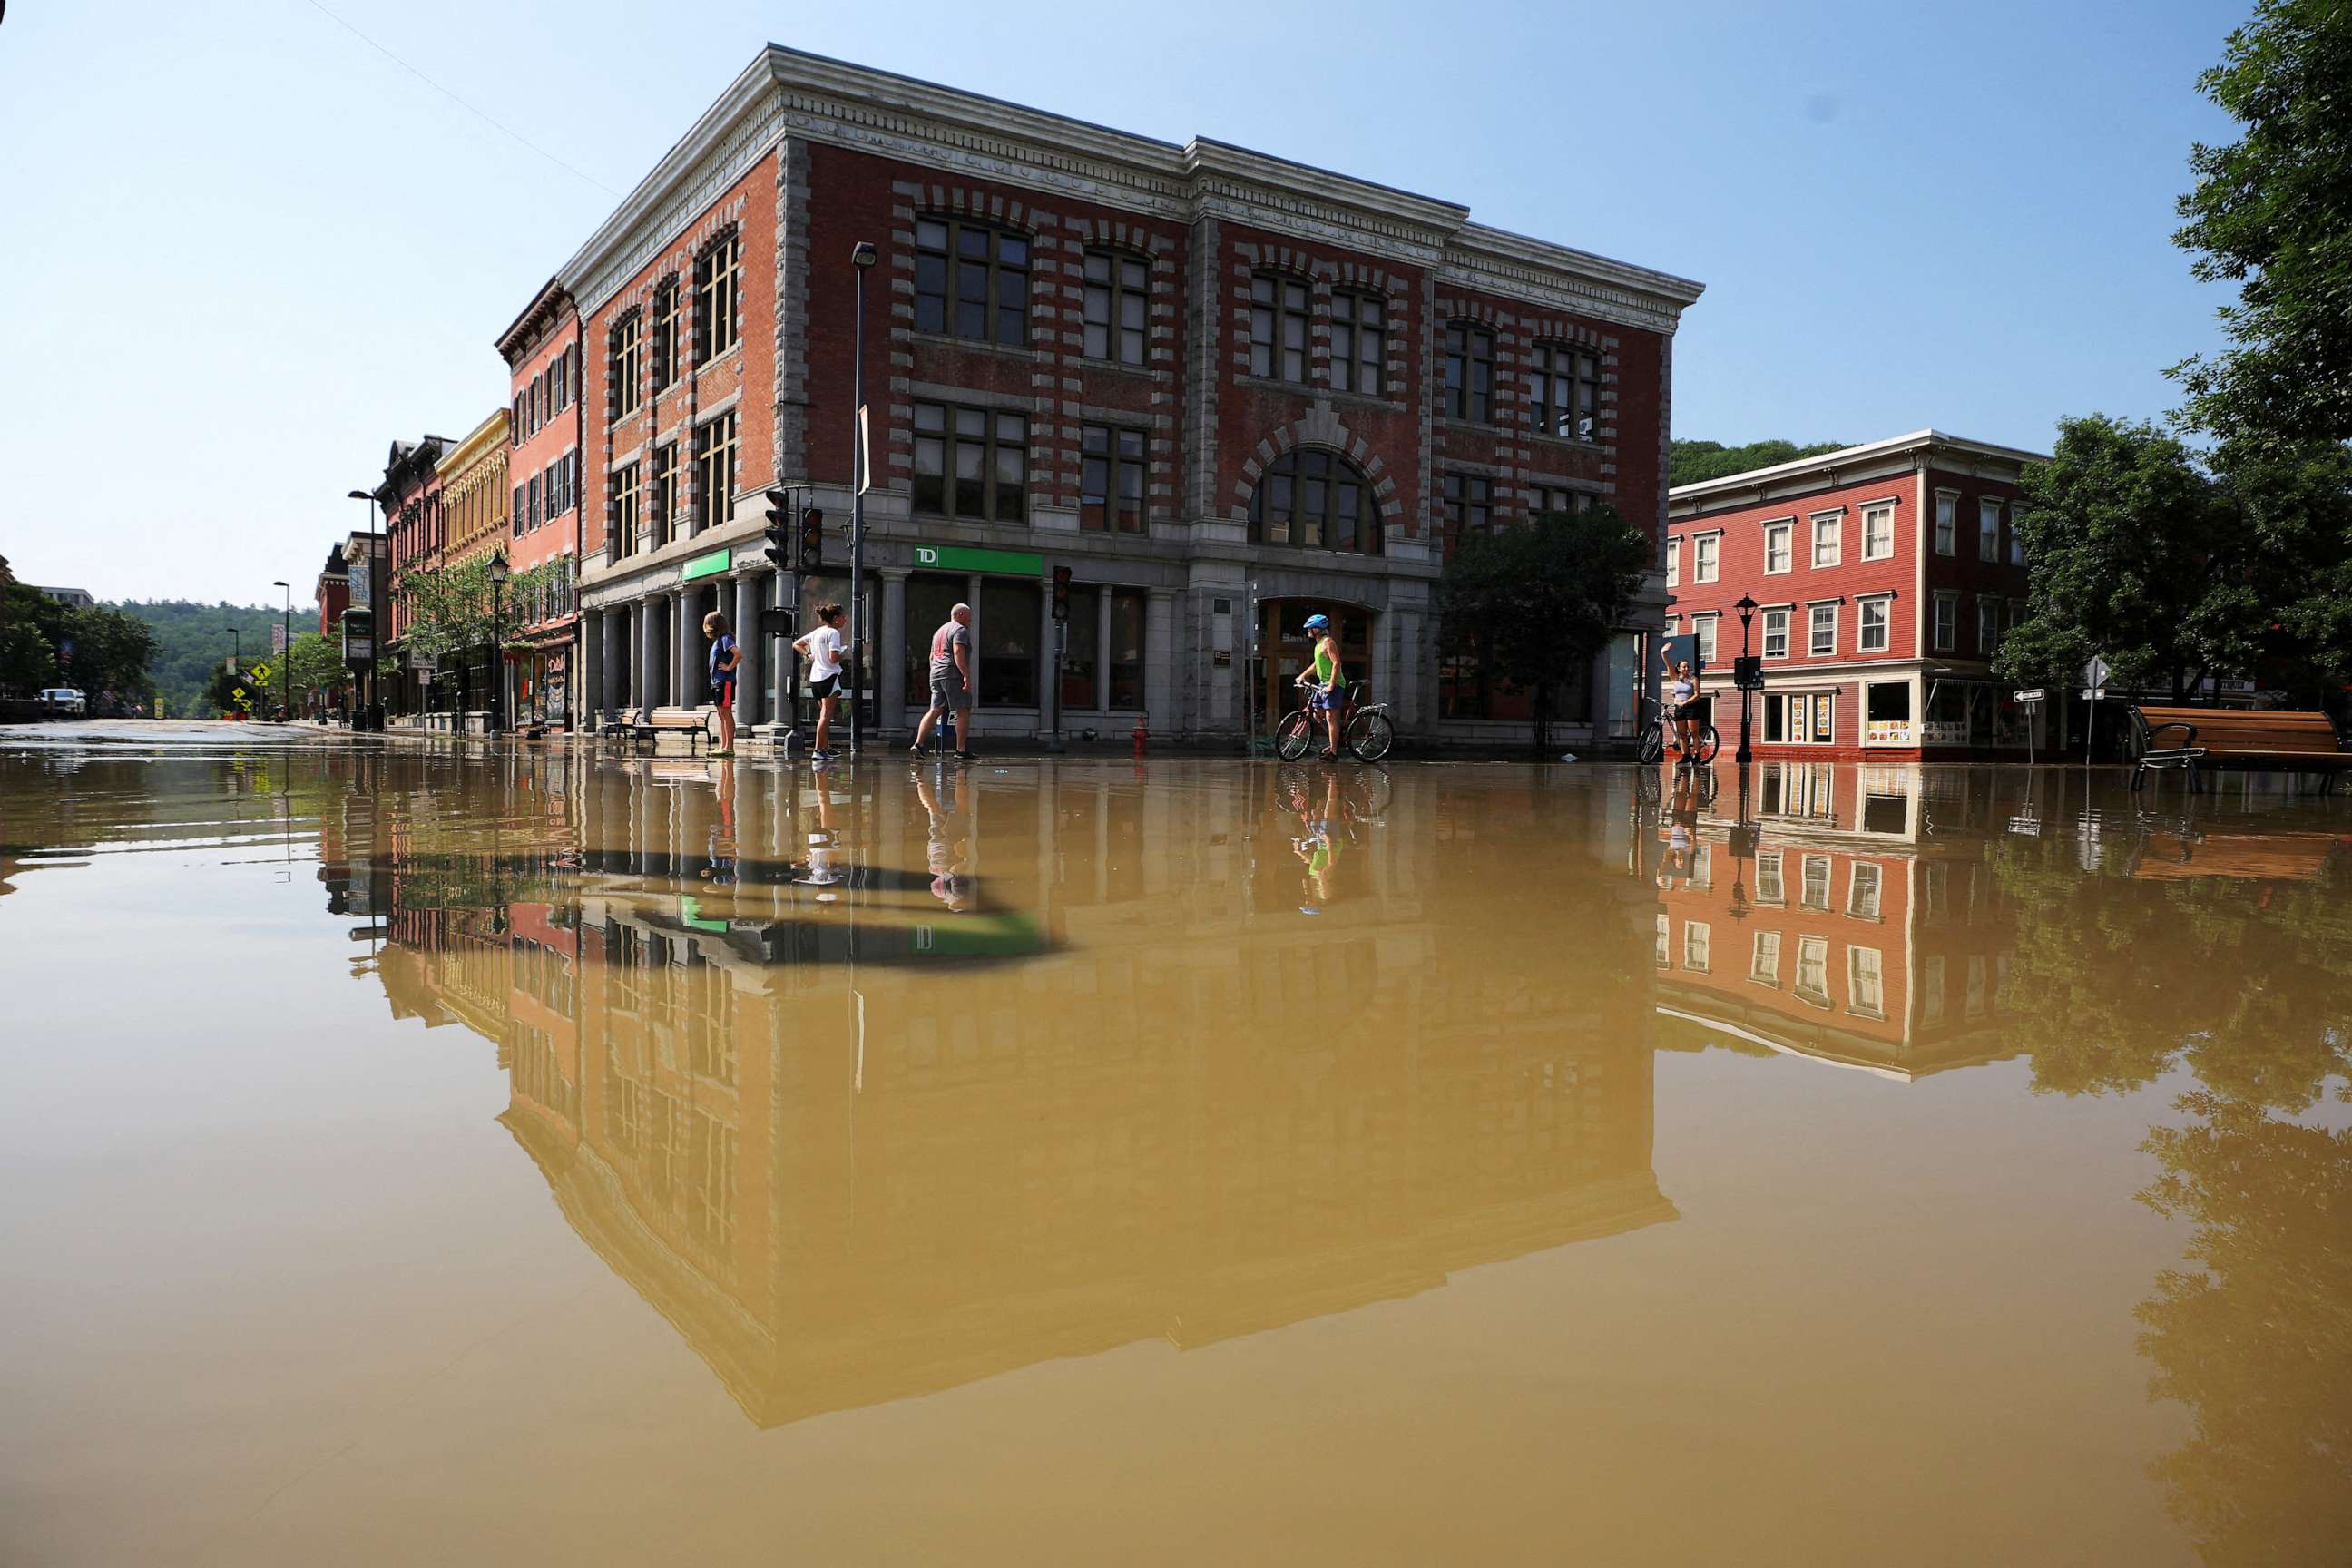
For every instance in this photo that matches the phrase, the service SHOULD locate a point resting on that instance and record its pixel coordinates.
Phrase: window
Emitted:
(1469, 373)
(2016, 540)
(1878, 532)
(1825, 538)
(1127, 607)
(1988, 626)
(624, 508)
(714, 472)
(1931, 989)
(1278, 316)
(1666, 956)
(1565, 387)
(1118, 306)
(1988, 529)
(1816, 894)
(665, 334)
(1703, 627)
(1550, 498)
(1863, 881)
(1776, 632)
(529, 518)
(558, 381)
(665, 496)
(1824, 708)
(1813, 970)
(1110, 485)
(627, 393)
(1358, 362)
(1875, 616)
(1008, 642)
(1705, 551)
(1779, 546)
(716, 298)
(971, 281)
(1673, 563)
(1764, 963)
(972, 462)
(1769, 889)
(1947, 622)
(1469, 506)
(1865, 983)
(1947, 525)
(1823, 642)
(1315, 500)
(1081, 652)
(1697, 939)
(521, 507)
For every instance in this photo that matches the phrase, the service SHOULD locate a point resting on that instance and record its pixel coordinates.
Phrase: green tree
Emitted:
(2272, 213)
(1689, 462)
(2293, 507)
(315, 665)
(2136, 556)
(191, 638)
(1535, 604)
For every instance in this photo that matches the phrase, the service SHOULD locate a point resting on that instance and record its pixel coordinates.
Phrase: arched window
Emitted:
(1313, 499)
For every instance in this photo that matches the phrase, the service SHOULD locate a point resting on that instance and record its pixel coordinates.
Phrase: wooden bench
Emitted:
(643, 726)
(2295, 741)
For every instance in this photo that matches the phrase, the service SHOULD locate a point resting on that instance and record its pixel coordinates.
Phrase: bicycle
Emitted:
(1364, 729)
(1656, 726)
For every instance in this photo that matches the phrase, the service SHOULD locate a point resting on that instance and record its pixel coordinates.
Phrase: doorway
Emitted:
(1283, 650)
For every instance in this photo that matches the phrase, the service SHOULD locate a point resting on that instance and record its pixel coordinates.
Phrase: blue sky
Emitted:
(241, 250)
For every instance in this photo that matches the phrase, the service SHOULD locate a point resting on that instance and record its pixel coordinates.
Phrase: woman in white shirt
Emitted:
(1682, 706)
(822, 648)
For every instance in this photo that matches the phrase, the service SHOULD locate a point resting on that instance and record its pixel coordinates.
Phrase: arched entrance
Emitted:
(1284, 649)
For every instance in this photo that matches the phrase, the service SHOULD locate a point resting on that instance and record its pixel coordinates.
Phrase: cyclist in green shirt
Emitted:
(1326, 683)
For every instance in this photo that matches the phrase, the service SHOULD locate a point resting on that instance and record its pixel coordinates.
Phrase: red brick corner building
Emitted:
(1225, 390)
(1884, 576)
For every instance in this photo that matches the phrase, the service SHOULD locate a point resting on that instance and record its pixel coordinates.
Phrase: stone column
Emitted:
(755, 647)
(591, 687)
(1049, 670)
(684, 688)
(648, 650)
(1102, 649)
(890, 678)
(1159, 660)
(615, 687)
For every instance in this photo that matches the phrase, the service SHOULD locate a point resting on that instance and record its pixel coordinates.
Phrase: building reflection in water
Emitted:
(881, 1089)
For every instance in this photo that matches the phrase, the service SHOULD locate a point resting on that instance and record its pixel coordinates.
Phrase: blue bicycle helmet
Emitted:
(1317, 623)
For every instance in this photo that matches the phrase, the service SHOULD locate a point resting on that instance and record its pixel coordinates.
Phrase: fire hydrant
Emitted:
(1141, 736)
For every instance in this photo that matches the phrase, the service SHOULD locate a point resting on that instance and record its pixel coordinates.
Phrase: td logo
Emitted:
(926, 555)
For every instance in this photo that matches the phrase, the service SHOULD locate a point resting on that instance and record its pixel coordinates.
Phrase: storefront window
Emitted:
(1889, 715)
(1081, 653)
(1127, 647)
(1008, 643)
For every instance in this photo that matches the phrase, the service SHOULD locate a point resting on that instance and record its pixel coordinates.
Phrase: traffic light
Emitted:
(1061, 593)
(813, 540)
(779, 531)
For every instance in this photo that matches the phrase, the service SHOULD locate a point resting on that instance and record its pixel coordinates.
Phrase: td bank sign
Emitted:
(999, 562)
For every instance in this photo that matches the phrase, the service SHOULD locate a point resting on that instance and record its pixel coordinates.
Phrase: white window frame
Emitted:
(1988, 537)
(1834, 522)
(1941, 637)
(1707, 556)
(1854, 907)
(1873, 547)
(1769, 890)
(1764, 960)
(1698, 947)
(1805, 889)
(1988, 646)
(1813, 951)
(1884, 604)
(1705, 629)
(1854, 968)
(1673, 562)
(1786, 613)
(1812, 629)
(1786, 530)
(1947, 523)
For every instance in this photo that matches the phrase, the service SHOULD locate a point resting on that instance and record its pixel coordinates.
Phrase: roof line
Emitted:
(1915, 440)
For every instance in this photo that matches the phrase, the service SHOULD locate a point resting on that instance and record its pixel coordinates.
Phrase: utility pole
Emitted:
(862, 256)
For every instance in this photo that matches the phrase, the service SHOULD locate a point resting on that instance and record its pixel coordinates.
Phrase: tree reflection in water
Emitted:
(2247, 983)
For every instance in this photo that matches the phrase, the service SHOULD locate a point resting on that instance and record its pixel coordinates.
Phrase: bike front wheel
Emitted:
(1369, 736)
(1294, 736)
(1652, 748)
(1710, 743)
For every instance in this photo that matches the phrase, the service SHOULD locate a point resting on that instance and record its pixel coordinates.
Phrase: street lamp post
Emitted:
(1747, 608)
(861, 256)
(286, 655)
(498, 572)
(377, 568)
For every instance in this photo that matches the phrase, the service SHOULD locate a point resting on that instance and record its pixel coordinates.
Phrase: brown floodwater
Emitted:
(423, 1155)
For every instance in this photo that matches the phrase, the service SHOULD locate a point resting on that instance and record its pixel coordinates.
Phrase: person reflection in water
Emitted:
(823, 870)
(1681, 835)
(720, 871)
(951, 875)
(1318, 845)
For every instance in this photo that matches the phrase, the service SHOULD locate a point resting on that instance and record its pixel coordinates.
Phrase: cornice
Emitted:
(785, 93)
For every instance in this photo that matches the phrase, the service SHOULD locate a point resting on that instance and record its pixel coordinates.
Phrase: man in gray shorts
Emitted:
(950, 682)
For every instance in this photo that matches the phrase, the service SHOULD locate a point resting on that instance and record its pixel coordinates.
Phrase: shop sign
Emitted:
(708, 565)
(1003, 562)
(1887, 733)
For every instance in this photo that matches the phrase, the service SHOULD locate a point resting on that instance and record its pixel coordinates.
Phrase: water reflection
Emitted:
(1103, 1082)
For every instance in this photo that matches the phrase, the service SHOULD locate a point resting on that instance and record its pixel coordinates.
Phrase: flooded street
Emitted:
(433, 1155)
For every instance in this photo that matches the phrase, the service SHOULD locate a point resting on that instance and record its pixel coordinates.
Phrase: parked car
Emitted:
(64, 703)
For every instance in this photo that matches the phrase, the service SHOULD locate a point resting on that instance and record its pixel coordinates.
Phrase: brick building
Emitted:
(409, 498)
(1225, 389)
(1884, 575)
(474, 522)
(541, 349)
(333, 591)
